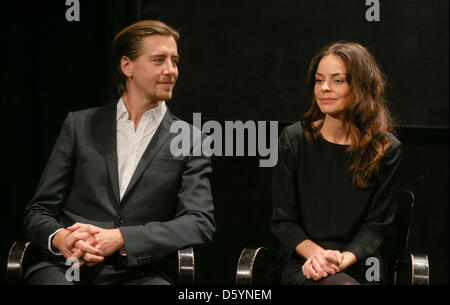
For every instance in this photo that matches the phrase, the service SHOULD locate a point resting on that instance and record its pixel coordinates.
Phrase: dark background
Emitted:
(240, 60)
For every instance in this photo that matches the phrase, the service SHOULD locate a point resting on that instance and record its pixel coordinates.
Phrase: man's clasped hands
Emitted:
(87, 243)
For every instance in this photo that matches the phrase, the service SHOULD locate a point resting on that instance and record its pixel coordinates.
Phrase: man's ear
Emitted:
(126, 64)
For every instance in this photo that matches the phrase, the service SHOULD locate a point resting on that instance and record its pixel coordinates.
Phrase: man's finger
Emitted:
(78, 254)
(84, 246)
(93, 229)
(75, 226)
(73, 237)
(84, 228)
(90, 258)
(80, 235)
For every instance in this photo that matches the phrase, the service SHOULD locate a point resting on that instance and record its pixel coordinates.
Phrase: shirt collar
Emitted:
(155, 113)
(121, 109)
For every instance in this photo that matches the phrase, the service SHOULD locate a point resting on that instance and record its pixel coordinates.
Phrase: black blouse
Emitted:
(313, 197)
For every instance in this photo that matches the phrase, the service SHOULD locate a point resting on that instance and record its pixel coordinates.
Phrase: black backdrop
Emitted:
(241, 60)
(248, 59)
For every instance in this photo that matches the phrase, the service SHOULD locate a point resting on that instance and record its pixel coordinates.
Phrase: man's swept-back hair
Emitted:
(128, 43)
(367, 116)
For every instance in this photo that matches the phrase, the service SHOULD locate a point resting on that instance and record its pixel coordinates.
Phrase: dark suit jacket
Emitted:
(167, 205)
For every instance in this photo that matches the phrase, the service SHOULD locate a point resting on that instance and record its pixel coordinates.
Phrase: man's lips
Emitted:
(166, 84)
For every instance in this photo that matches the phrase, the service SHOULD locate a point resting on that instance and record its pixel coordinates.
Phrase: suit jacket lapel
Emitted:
(109, 138)
(158, 140)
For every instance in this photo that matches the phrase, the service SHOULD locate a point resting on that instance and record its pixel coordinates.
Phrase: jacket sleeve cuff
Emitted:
(50, 248)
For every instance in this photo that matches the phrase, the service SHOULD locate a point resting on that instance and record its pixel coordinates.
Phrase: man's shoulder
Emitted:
(93, 114)
(181, 123)
(92, 110)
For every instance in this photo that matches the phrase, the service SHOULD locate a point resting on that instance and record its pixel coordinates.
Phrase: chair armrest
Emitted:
(186, 266)
(420, 269)
(245, 273)
(412, 269)
(15, 263)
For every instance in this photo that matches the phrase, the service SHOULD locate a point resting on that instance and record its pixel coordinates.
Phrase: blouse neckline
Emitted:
(333, 144)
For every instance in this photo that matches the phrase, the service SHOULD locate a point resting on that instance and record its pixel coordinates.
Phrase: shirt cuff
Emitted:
(50, 248)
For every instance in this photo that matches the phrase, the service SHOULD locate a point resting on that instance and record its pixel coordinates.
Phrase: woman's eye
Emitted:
(339, 81)
(318, 80)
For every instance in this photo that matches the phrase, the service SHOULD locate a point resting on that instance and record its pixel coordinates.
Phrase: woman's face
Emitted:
(331, 88)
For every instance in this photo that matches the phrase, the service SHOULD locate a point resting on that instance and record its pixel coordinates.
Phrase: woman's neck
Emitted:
(334, 130)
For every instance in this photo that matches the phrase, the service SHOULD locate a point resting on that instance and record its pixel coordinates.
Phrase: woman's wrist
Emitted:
(349, 259)
(308, 248)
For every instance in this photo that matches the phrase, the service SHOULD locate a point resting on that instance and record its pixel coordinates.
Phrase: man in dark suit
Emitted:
(112, 194)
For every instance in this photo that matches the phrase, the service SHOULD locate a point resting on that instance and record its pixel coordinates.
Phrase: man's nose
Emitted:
(170, 68)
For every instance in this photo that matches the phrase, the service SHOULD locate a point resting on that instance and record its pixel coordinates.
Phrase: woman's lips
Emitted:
(327, 100)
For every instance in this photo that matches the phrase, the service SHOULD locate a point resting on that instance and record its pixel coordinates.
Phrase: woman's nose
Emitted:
(324, 86)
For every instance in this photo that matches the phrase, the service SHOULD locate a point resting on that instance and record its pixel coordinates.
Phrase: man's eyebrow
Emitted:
(164, 55)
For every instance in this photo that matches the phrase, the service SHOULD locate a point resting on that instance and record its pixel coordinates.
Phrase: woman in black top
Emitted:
(334, 184)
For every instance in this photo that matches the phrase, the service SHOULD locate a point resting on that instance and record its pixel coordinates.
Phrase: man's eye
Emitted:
(158, 60)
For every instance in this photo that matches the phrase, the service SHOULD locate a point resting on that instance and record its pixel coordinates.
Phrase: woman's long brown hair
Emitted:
(367, 119)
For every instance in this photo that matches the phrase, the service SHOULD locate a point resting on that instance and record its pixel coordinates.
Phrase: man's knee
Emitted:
(50, 275)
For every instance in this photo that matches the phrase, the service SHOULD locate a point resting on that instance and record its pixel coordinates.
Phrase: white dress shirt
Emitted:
(131, 144)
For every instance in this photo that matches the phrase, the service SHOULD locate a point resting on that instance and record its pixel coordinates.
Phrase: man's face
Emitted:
(155, 71)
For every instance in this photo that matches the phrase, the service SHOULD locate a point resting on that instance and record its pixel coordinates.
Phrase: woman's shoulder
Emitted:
(396, 145)
(395, 149)
(294, 132)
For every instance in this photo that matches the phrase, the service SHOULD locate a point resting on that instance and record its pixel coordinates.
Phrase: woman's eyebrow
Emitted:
(334, 74)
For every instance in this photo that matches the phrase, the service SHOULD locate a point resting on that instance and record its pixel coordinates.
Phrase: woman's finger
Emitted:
(316, 266)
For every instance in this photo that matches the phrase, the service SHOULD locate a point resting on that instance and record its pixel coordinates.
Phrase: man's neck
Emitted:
(137, 106)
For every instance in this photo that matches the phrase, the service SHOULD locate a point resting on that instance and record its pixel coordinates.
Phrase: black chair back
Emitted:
(396, 243)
